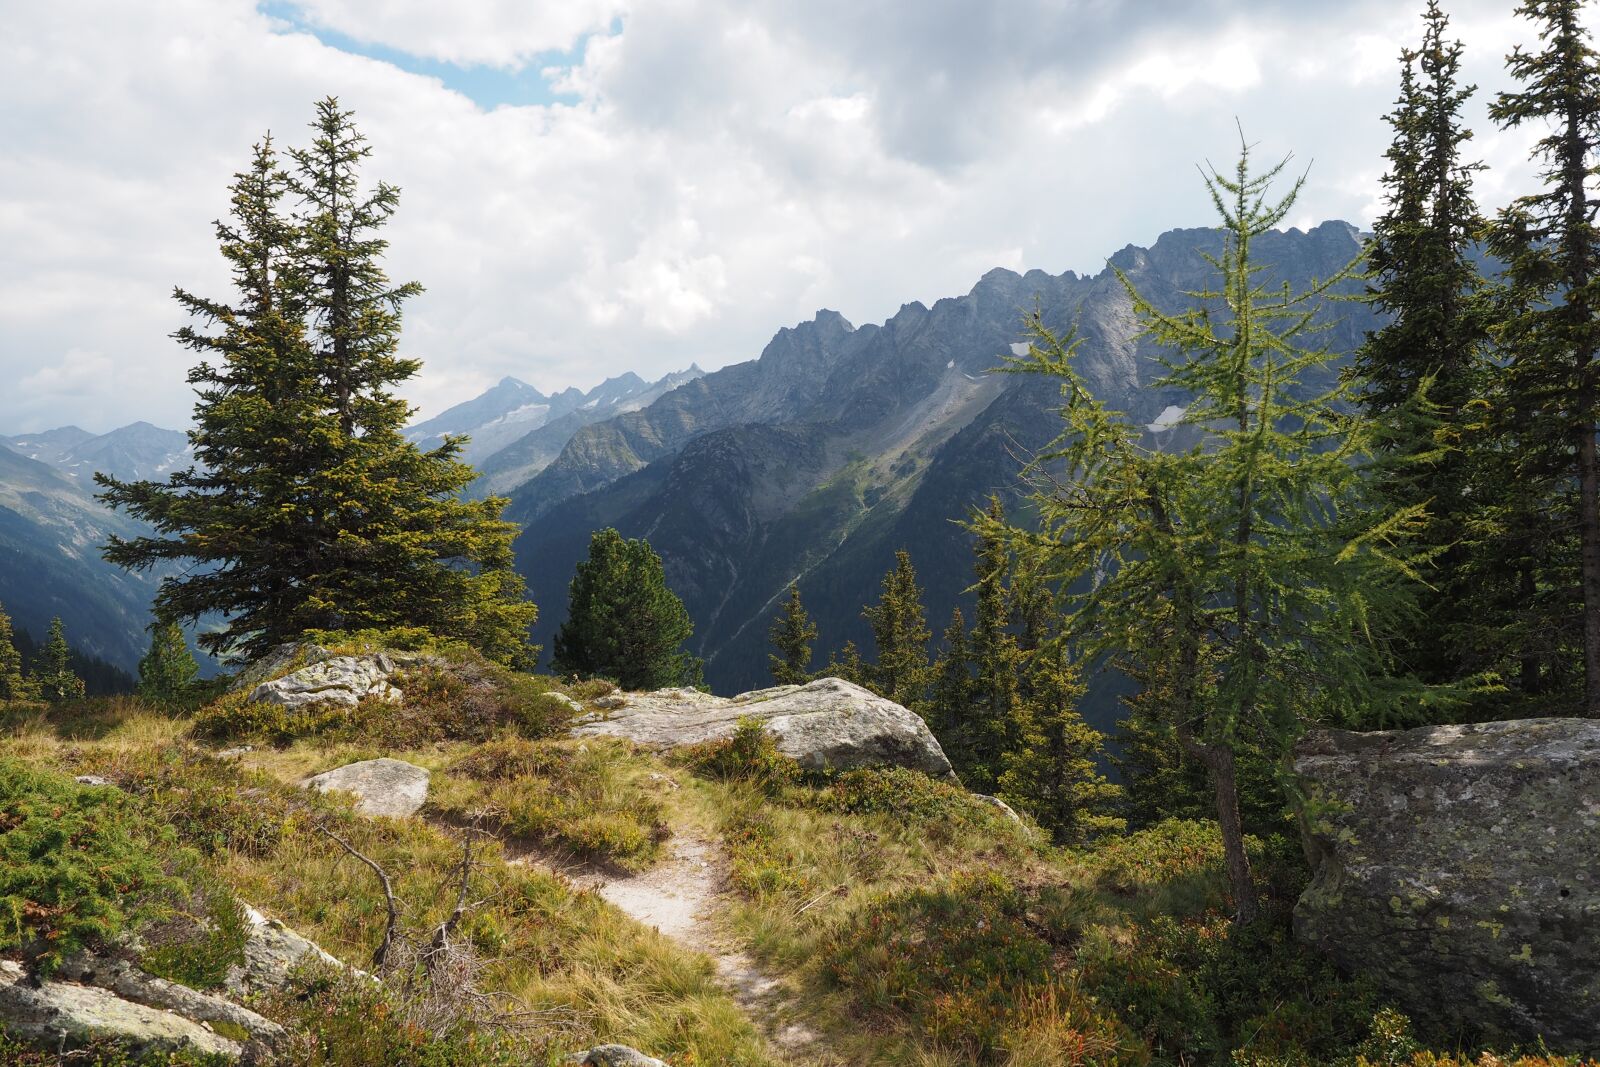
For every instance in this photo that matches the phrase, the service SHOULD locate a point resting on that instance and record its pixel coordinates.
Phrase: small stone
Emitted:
(94, 780)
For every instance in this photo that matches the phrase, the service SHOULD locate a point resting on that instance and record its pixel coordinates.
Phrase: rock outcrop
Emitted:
(1456, 865)
(343, 680)
(271, 953)
(66, 1015)
(613, 1056)
(105, 999)
(824, 724)
(382, 786)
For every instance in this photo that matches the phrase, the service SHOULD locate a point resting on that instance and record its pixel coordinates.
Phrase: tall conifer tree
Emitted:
(53, 675)
(1421, 376)
(307, 508)
(1551, 248)
(900, 630)
(950, 694)
(992, 726)
(13, 686)
(792, 633)
(168, 672)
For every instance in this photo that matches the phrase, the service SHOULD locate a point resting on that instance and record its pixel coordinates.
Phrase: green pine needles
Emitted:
(307, 509)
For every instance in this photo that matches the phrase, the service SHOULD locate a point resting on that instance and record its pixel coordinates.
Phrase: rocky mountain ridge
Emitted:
(840, 444)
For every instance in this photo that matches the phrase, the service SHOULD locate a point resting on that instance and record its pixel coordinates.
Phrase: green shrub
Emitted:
(939, 810)
(750, 755)
(78, 866)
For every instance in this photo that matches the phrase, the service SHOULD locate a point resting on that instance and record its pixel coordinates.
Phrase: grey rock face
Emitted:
(614, 1056)
(271, 953)
(828, 723)
(384, 786)
(343, 680)
(57, 1014)
(1457, 867)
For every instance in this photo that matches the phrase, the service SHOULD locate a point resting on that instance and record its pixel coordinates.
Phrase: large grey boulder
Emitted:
(345, 680)
(828, 723)
(56, 1014)
(1457, 866)
(382, 786)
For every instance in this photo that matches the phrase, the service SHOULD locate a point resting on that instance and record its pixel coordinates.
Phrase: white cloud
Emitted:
(720, 168)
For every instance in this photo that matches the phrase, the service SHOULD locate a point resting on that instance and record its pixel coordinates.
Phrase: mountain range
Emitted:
(812, 463)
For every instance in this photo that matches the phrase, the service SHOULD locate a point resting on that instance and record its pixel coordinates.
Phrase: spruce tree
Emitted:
(993, 726)
(307, 508)
(1052, 769)
(623, 623)
(13, 686)
(168, 672)
(792, 633)
(1421, 377)
(1551, 248)
(1243, 567)
(949, 704)
(900, 631)
(53, 675)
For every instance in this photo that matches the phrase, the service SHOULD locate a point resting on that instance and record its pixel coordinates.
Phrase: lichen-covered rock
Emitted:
(128, 982)
(1457, 866)
(343, 680)
(55, 1014)
(614, 1056)
(271, 953)
(275, 663)
(383, 786)
(828, 723)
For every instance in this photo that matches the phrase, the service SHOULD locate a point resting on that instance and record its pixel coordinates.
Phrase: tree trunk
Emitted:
(1237, 862)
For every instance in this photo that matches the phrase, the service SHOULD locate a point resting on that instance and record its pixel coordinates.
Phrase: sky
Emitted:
(596, 186)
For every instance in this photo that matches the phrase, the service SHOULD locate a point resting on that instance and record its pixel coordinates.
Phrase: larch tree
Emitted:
(623, 623)
(900, 631)
(1244, 565)
(53, 676)
(1551, 248)
(307, 509)
(792, 633)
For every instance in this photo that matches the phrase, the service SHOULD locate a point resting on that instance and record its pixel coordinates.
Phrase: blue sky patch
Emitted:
(488, 87)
